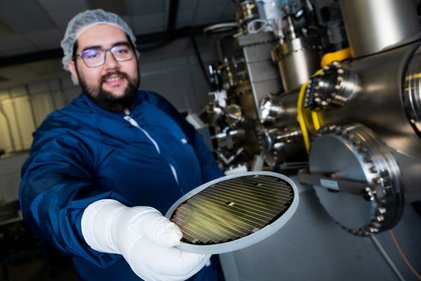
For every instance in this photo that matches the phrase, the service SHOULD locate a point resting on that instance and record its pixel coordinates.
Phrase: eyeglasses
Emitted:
(95, 56)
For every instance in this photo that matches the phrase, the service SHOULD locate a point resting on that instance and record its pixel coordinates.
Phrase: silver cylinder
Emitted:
(297, 60)
(373, 25)
(380, 105)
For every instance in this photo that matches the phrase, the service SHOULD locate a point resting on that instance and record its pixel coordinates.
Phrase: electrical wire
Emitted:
(327, 59)
(316, 120)
(386, 257)
(300, 114)
(403, 256)
(200, 60)
(251, 26)
(221, 27)
(339, 55)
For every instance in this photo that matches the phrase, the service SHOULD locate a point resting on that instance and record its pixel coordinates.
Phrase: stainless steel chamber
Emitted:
(347, 121)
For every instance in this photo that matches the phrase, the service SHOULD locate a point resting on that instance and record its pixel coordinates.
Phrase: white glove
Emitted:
(144, 237)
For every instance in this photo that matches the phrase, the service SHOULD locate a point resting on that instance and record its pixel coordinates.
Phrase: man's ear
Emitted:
(72, 68)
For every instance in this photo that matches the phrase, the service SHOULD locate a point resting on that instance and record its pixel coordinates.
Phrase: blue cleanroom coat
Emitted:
(83, 153)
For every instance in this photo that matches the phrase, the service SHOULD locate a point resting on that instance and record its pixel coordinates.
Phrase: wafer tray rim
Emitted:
(250, 239)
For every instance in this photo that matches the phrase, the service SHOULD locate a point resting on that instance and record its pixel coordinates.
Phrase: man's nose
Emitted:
(110, 60)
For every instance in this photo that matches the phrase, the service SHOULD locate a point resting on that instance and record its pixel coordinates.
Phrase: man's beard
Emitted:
(107, 99)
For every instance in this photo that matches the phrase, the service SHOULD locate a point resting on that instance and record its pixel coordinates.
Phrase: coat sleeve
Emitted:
(58, 183)
(209, 168)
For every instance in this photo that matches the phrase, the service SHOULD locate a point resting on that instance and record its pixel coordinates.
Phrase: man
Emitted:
(104, 168)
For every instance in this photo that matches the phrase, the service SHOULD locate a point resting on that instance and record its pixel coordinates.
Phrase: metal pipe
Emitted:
(373, 25)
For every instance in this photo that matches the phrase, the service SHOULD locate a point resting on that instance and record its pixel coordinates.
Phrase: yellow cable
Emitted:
(316, 120)
(315, 117)
(300, 116)
(336, 56)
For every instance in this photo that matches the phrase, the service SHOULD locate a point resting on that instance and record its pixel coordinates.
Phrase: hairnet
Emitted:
(83, 21)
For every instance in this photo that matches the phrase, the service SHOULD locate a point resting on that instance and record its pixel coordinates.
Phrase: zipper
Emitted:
(135, 124)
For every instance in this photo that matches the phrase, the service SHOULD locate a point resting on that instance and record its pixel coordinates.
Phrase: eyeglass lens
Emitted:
(96, 56)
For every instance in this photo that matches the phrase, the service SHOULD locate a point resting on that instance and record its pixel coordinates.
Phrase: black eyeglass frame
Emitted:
(104, 54)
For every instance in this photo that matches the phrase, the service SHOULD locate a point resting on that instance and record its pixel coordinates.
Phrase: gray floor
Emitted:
(312, 247)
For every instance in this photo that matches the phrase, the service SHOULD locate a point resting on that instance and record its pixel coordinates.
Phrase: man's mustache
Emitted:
(105, 77)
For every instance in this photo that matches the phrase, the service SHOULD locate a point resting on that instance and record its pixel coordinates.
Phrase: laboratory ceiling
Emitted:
(31, 30)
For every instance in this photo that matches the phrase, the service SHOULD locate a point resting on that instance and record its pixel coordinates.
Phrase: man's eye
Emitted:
(90, 54)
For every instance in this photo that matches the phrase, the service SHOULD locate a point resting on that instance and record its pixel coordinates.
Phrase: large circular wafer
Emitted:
(234, 212)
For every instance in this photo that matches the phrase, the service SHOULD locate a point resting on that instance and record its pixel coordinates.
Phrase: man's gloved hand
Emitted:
(144, 237)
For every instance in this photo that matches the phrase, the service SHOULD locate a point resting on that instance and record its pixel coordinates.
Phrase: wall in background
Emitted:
(172, 69)
(23, 108)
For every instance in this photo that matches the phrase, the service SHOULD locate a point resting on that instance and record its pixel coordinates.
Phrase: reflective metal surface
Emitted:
(412, 90)
(333, 87)
(354, 152)
(372, 26)
(353, 123)
(384, 103)
(297, 60)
